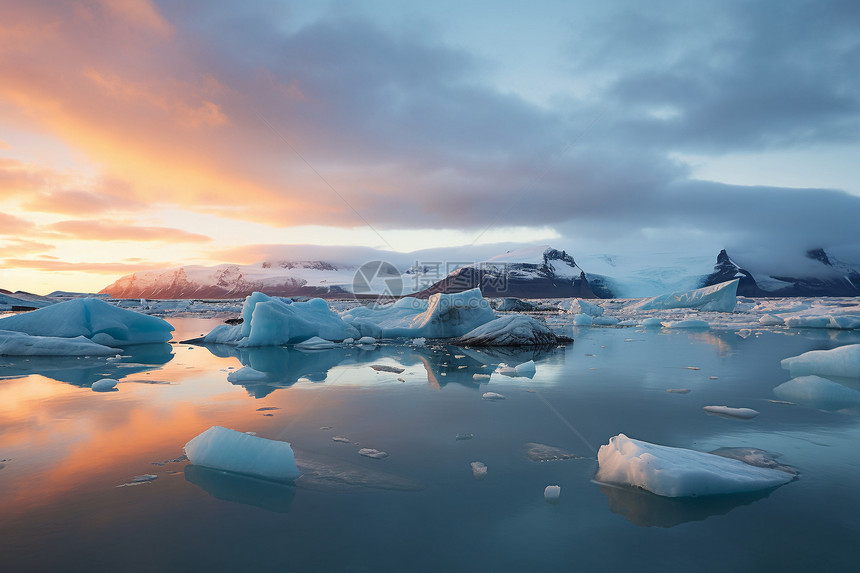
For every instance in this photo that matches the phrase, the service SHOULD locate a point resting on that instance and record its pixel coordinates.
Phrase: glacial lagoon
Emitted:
(92, 480)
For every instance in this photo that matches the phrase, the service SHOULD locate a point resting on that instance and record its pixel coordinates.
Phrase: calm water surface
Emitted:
(65, 449)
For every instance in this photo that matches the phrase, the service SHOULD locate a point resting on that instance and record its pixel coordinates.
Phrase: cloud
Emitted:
(18, 247)
(85, 267)
(92, 230)
(72, 202)
(11, 225)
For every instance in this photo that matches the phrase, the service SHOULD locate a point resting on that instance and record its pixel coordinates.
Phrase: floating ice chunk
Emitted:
(843, 361)
(348, 340)
(271, 321)
(551, 494)
(744, 333)
(224, 449)
(678, 472)
(479, 470)
(141, 479)
(605, 321)
(845, 322)
(717, 298)
(367, 340)
(246, 374)
(771, 320)
(340, 439)
(387, 368)
(543, 453)
(583, 320)
(492, 396)
(224, 334)
(742, 413)
(105, 385)
(579, 306)
(650, 322)
(808, 322)
(464, 436)
(480, 376)
(526, 369)
(418, 341)
(678, 390)
(14, 343)
(510, 330)
(688, 323)
(371, 453)
(316, 343)
(91, 318)
(818, 392)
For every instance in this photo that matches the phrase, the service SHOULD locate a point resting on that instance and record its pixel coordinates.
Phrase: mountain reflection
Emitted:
(83, 371)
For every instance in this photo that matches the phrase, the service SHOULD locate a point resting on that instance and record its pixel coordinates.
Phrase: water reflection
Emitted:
(646, 509)
(444, 364)
(227, 486)
(83, 371)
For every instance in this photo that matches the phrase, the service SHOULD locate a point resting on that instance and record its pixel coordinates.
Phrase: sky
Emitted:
(137, 135)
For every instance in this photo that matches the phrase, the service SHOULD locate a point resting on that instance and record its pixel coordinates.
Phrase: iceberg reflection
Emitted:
(238, 488)
(646, 509)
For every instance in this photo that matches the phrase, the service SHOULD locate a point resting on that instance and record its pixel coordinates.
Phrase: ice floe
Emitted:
(679, 472)
(817, 392)
(492, 396)
(228, 450)
(843, 361)
(105, 385)
(372, 453)
(91, 318)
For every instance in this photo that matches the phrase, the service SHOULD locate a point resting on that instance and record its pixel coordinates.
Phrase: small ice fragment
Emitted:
(105, 385)
(742, 413)
(265, 408)
(692, 368)
(526, 369)
(744, 333)
(340, 439)
(551, 494)
(386, 368)
(678, 390)
(325, 428)
(464, 436)
(367, 340)
(480, 376)
(479, 470)
(771, 320)
(492, 396)
(371, 453)
(137, 480)
(418, 341)
(348, 340)
(713, 377)
(648, 322)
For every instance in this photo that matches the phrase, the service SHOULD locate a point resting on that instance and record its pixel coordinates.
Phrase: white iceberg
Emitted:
(366, 340)
(21, 344)
(228, 450)
(742, 413)
(91, 318)
(651, 322)
(551, 493)
(771, 320)
(372, 453)
(717, 298)
(272, 321)
(525, 370)
(808, 322)
(104, 385)
(510, 330)
(843, 361)
(817, 392)
(583, 319)
(678, 472)
(492, 396)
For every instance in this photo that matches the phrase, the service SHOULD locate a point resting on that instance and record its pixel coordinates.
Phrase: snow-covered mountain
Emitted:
(821, 274)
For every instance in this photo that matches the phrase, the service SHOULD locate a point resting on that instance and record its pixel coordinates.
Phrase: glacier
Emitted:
(91, 318)
(228, 450)
(679, 472)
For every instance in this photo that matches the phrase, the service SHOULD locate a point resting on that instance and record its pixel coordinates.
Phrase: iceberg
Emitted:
(583, 319)
(93, 319)
(440, 316)
(771, 320)
(843, 362)
(551, 493)
(228, 450)
(492, 396)
(14, 343)
(817, 392)
(579, 306)
(717, 298)
(316, 343)
(271, 321)
(511, 330)
(678, 472)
